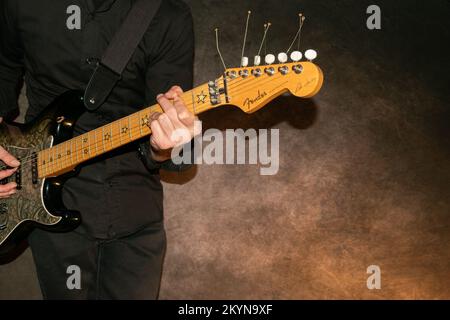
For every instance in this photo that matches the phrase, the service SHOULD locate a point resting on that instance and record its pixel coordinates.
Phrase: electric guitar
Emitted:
(50, 154)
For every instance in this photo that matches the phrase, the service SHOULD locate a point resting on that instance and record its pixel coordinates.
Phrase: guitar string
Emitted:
(200, 110)
(34, 156)
(231, 86)
(97, 142)
(23, 164)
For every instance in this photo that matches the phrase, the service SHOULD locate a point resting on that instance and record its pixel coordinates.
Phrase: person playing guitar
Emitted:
(120, 245)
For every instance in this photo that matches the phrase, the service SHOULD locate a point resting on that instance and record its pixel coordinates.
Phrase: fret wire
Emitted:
(48, 160)
(82, 147)
(55, 159)
(95, 141)
(103, 140)
(64, 154)
(120, 133)
(193, 101)
(76, 151)
(89, 145)
(44, 170)
(71, 151)
(41, 167)
(110, 136)
(60, 157)
(129, 128)
(139, 122)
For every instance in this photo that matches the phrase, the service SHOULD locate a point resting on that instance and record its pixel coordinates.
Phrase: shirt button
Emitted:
(92, 61)
(111, 232)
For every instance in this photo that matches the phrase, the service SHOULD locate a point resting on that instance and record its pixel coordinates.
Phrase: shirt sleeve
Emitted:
(11, 59)
(173, 66)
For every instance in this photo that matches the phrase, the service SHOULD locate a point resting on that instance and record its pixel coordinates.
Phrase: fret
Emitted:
(84, 146)
(88, 145)
(76, 150)
(47, 158)
(135, 125)
(47, 164)
(81, 148)
(41, 169)
(58, 157)
(70, 152)
(50, 159)
(41, 161)
(64, 155)
(103, 140)
(193, 102)
(145, 122)
(115, 134)
(140, 123)
(111, 136)
(66, 161)
(55, 158)
(129, 128)
(94, 142)
(120, 132)
(124, 130)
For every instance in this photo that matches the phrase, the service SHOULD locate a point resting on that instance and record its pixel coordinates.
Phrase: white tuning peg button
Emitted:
(311, 54)
(270, 58)
(282, 57)
(244, 61)
(257, 61)
(296, 56)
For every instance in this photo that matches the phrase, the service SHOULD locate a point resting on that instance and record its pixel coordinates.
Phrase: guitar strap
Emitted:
(119, 52)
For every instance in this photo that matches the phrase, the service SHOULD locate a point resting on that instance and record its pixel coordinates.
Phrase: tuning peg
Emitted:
(296, 56)
(257, 61)
(270, 58)
(311, 54)
(282, 57)
(244, 61)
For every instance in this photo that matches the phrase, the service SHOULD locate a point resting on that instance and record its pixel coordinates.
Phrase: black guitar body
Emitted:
(37, 202)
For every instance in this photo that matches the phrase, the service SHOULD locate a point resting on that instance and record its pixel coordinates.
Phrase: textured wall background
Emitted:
(364, 169)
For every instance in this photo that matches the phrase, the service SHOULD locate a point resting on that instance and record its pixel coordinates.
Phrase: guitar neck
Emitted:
(249, 88)
(65, 156)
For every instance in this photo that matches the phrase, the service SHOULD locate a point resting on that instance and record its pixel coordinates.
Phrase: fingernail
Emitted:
(159, 96)
(15, 163)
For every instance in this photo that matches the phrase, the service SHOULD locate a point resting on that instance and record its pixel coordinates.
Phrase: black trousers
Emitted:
(118, 268)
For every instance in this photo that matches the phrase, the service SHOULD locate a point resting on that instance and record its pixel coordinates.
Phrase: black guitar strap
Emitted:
(119, 52)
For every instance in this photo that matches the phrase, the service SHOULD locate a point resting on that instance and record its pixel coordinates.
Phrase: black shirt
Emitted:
(116, 195)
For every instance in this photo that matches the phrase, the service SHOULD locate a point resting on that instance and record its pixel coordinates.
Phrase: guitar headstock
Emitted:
(251, 88)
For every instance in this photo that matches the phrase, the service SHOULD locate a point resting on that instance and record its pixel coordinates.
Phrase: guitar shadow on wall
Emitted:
(301, 114)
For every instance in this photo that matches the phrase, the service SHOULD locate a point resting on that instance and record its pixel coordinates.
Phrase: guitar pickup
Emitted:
(18, 176)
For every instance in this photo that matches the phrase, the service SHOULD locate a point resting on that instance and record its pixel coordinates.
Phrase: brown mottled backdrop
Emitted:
(364, 169)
